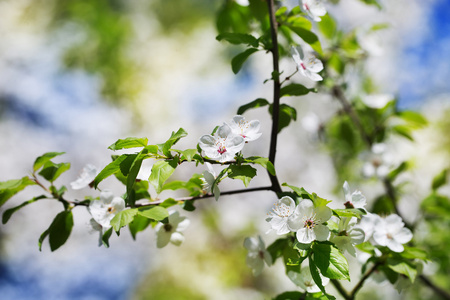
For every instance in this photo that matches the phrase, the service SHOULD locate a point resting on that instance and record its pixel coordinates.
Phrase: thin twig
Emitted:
(340, 289)
(359, 285)
(276, 94)
(444, 294)
(210, 195)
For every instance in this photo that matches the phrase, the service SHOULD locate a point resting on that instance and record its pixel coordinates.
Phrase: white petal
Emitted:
(280, 225)
(296, 56)
(377, 101)
(255, 262)
(321, 232)
(394, 223)
(313, 64)
(347, 193)
(210, 169)
(183, 224)
(162, 237)
(177, 238)
(106, 196)
(380, 238)
(224, 131)
(235, 144)
(358, 199)
(356, 235)
(403, 236)
(305, 208)
(305, 235)
(313, 76)
(251, 244)
(118, 203)
(267, 258)
(395, 246)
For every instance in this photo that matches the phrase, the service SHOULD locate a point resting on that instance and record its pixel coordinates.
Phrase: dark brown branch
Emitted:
(359, 285)
(442, 293)
(340, 289)
(276, 94)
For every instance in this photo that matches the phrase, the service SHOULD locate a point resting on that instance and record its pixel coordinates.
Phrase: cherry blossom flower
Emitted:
(314, 8)
(391, 232)
(86, 177)
(223, 146)
(281, 215)
(257, 254)
(249, 130)
(104, 210)
(172, 231)
(95, 227)
(348, 235)
(209, 178)
(305, 281)
(377, 101)
(368, 223)
(307, 222)
(355, 199)
(308, 65)
(378, 161)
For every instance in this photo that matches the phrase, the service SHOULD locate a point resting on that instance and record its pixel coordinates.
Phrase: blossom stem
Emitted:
(359, 285)
(340, 289)
(276, 94)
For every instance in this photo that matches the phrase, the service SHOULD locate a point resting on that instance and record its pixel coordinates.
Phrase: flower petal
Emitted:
(305, 235)
(177, 238)
(403, 236)
(162, 237)
(321, 232)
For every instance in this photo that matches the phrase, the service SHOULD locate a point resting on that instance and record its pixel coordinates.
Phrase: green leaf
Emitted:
(316, 277)
(260, 102)
(123, 218)
(8, 213)
(130, 142)
(301, 192)
(403, 131)
(157, 213)
(188, 154)
(402, 267)
(42, 238)
(161, 171)
(327, 26)
(174, 138)
(138, 224)
(134, 170)
(238, 38)
(295, 89)
(414, 119)
(308, 36)
(350, 212)
(397, 171)
(264, 162)
(276, 249)
(105, 237)
(287, 113)
(319, 201)
(335, 61)
(11, 187)
(51, 171)
(413, 253)
(243, 172)
(60, 229)
(111, 168)
(289, 296)
(439, 180)
(41, 160)
(238, 60)
(331, 262)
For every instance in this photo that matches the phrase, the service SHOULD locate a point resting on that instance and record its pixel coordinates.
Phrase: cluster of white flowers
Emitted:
(229, 139)
(257, 254)
(378, 162)
(172, 230)
(314, 8)
(305, 219)
(389, 231)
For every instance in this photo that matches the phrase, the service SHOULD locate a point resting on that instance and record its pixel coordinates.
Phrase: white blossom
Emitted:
(377, 101)
(86, 177)
(223, 145)
(307, 64)
(368, 223)
(307, 222)
(391, 232)
(281, 215)
(355, 199)
(348, 235)
(104, 210)
(172, 231)
(305, 281)
(209, 177)
(378, 161)
(249, 130)
(257, 254)
(314, 8)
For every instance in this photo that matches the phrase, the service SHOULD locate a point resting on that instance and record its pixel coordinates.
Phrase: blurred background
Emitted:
(77, 75)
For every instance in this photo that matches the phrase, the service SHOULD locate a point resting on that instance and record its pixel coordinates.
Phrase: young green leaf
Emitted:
(260, 102)
(242, 172)
(11, 187)
(105, 237)
(439, 180)
(60, 229)
(263, 161)
(111, 168)
(402, 267)
(331, 262)
(295, 89)
(8, 213)
(157, 213)
(123, 218)
(316, 277)
(51, 171)
(42, 238)
(138, 224)
(161, 171)
(238, 60)
(41, 160)
(238, 38)
(130, 142)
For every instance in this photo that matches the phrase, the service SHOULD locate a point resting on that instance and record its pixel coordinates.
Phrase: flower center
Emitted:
(343, 233)
(389, 236)
(111, 210)
(310, 222)
(261, 254)
(222, 149)
(168, 227)
(281, 210)
(348, 204)
(309, 283)
(303, 66)
(306, 6)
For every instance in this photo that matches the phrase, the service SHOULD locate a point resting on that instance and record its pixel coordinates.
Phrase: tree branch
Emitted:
(442, 293)
(359, 285)
(276, 94)
(340, 289)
